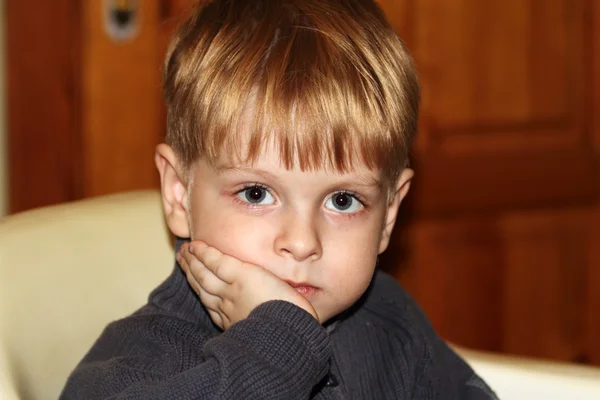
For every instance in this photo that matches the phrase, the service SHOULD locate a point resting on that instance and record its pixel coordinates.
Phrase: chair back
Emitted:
(66, 271)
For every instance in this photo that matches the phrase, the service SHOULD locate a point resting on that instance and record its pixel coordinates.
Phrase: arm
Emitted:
(279, 352)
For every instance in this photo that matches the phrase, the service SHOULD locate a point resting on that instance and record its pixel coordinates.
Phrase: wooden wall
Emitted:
(501, 242)
(85, 110)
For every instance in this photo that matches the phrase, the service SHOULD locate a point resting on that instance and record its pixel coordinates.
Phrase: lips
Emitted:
(305, 289)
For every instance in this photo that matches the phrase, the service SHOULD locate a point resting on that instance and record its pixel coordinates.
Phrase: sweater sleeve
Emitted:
(279, 352)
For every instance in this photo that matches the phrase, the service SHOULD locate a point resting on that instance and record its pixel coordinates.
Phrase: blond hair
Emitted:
(326, 81)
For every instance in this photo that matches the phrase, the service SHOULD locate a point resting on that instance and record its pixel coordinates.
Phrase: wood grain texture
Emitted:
(452, 268)
(42, 102)
(546, 255)
(593, 273)
(496, 182)
(122, 112)
(400, 14)
(500, 247)
(522, 283)
(85, 111)
(503, 113)
(592, 344)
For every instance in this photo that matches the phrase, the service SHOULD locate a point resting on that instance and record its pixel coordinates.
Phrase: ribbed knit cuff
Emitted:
(288, 338)
(301, 322)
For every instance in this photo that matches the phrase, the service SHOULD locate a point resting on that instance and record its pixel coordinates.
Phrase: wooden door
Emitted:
(499, 241)
(84, 99)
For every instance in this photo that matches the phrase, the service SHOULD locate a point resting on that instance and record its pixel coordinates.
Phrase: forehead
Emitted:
(269, 159)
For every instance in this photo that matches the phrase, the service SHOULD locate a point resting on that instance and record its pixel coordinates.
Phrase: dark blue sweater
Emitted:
(382, 348)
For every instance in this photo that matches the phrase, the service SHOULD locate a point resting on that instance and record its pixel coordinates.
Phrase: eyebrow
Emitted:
(368, 182)
(225, 168)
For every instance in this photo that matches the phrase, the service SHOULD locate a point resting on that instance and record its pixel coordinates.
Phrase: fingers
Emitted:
(223, 266)
(206, 285)
(213, 304)
(210, 300)
(219, 279)
(199, 275)
(217, 319)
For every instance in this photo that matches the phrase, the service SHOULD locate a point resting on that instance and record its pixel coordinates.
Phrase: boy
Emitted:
(288, 130)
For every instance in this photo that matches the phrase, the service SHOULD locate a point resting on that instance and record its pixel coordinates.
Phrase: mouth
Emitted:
(305, 289)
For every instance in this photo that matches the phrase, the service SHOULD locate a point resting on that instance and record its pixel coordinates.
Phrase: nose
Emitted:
(298, 238)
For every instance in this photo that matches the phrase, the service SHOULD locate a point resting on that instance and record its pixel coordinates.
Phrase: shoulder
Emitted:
(394, 317)
(151, 336)
(385, 287)
(436, 367)
(390, 304)
(150, 322)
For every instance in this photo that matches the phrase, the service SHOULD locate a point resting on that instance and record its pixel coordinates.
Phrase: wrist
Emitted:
(299, 321)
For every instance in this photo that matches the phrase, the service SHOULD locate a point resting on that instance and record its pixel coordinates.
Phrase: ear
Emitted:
(174, 191)
(400, 190)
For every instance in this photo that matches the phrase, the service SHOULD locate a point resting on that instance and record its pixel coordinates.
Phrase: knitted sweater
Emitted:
(381, 348)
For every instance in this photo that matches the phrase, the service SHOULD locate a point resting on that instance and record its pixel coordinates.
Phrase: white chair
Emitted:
(514, 378)
(67, 270)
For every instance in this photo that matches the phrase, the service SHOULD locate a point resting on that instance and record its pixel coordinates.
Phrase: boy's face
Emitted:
(320, 231)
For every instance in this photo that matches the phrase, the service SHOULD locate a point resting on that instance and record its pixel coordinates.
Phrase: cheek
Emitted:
(231, 234)
(349, 282)
(353, 256)
(215, 220)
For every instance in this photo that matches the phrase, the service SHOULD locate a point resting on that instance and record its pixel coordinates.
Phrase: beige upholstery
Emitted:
(523, 378)
(67, 270)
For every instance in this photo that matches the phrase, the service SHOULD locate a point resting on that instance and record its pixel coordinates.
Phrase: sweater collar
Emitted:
(176, 297)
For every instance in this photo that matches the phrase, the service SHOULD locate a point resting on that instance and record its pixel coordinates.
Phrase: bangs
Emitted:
(325, 91)
(313, 125)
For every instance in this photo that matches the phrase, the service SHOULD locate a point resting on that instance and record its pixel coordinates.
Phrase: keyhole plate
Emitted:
(121, 19)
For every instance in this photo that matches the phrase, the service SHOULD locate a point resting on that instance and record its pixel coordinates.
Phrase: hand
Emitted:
(229, 288)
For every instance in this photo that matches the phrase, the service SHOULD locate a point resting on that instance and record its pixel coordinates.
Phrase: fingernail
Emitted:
(190, 249)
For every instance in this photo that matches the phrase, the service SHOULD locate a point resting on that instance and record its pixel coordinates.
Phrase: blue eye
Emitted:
(256, 194)
(343, 202)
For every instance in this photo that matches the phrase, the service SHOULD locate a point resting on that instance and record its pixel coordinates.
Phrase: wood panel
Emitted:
(500, 240)
(401, 15)
(42, 102)
(85, 110)
(495, 182)
(503, 110)
(122, 113)
(593, 274)
(515, 283)
(592, 344)
(513, 63)
(452, 269)
(547, 258)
